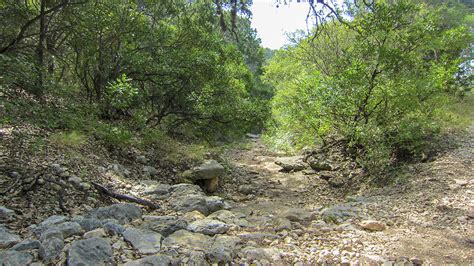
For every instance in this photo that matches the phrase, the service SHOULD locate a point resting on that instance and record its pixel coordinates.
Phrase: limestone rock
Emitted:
(69, 229)
(8, 239)
(51, 248)
(259, 254)
(223, 249)
(99, 232)
(123, 212)
(372, 225)
(27, 244)
(159, 191)
(6, 214)
(280, 224)
(208, 170)
(113, 228)
(164, 225)
(208, 227)
(298, 215)
(153, 260)
(187, 241)
(289, 164)
(15, 258)
(145, 241)
(92, 251)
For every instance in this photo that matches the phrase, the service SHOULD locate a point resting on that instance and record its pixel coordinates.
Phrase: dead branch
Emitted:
(110, 193)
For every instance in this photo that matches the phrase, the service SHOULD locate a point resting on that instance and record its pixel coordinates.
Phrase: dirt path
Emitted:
(429, 218)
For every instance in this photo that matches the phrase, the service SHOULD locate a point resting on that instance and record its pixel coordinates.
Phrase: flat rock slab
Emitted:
(122, 212)
(69, 229)
(145, 241)
(262, 254)
(8, 239)
(15, 258)
(208, 227)
(92, 251)
(27, 244)
(298, 215)
(186, 240)
(153, 260)
(164, 225)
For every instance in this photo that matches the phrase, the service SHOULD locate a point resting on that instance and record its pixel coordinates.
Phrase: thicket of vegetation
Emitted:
(379, 79)
(376, 75)
(113, 68)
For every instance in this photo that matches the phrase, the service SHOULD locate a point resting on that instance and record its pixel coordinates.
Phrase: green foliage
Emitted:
(71, 139)
(379, 81)
(120, 94)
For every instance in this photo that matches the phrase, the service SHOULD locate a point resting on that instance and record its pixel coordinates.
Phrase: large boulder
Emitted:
(197, 202)
(123, 212)
(291, 164)
(208, 173)
(92, 251)
(208, 170)
(145, 241)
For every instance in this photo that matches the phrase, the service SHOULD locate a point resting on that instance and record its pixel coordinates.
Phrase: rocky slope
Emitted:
(267, 209)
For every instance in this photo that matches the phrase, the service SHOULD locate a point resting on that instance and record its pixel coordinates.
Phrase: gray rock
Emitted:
(185, 189)
(51, 248)
(6, 214)
(339, 213)
(75, 180)
(160, 191)
(27, 244)
(319, 165)
(57, 169)
(15, 258)
(208, 227)
(289, 164)
(186, 240)
(149, 171)
(142, 159)
(247, 189)
(51, 233)
(145, 241)
(280, 224)
(208, 170)
(69, 229)
(298, 215)
(89, 224)
(259, 254)
(123, 212)
(54, 219)
(113, 228)
(215, 203)
(190, 203)
(99, 232)
(164, 225)
(153, 260)
(119, 170)
(92, 251)
(223, 249)
(257, 236)
(8, 239)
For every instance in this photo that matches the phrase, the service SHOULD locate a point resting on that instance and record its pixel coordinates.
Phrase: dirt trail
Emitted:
(429, 217)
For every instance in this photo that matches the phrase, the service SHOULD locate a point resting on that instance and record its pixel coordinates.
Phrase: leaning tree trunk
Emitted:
(40, 50)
